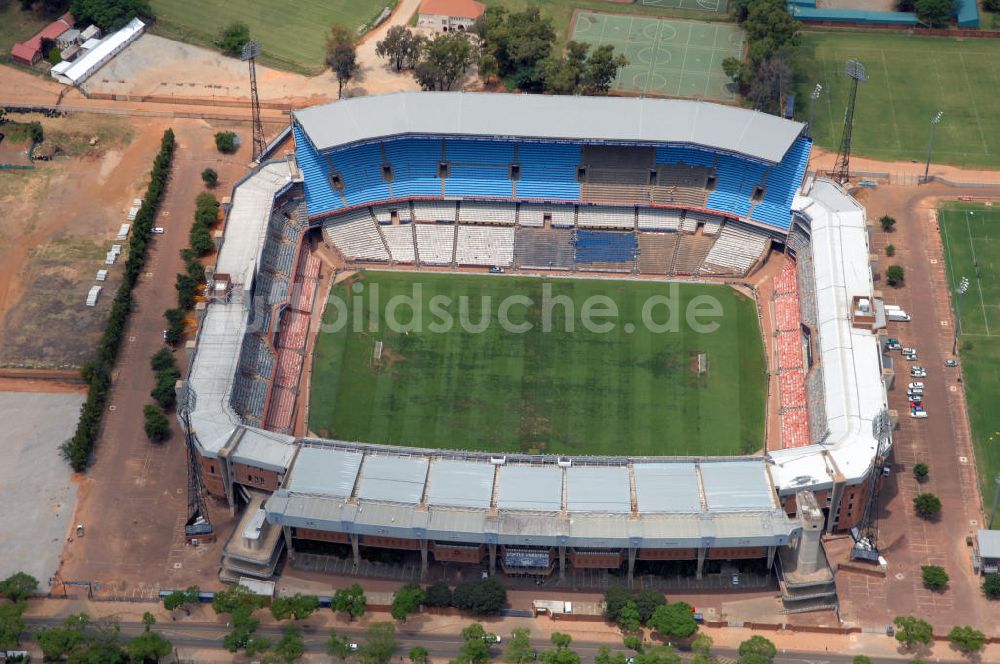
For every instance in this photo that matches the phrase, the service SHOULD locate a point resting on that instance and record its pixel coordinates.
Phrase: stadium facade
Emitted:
(460, 179)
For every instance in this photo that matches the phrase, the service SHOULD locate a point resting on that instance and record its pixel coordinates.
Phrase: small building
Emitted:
(69, 38)
(70, 52)
(448, 15)
(986, 552)
(98, 56)
(90, 32)
(30, 52)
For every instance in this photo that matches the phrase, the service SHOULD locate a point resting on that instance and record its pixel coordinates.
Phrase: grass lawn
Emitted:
(17, 25)
(909, 80)
(292, 34)
(971, 234)
(561, 11)
(559, 392)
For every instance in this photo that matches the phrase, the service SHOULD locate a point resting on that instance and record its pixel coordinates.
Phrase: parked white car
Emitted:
(915, 386)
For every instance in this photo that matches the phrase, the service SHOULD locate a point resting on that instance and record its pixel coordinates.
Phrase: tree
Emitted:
(164, 392)
(602, 69)
(935, 13)
(484, 597)
(674, 620)
(658, 655)
(297, 607)
(12, 625)
(225, 141)
(991, 5)
(927, 505)
(236, 599)
(769, 84)
(604, 656)
(615, 599)
(341, 55)
(162, 359)
(180, 599)
(473, 649)
(737, 71)
(934, 576)
(561, 641)
(632, 642)
(290, 646)
(890, 250)
(109, 15)
(148, 620)
(210, 177)
(338, 646)
(700, 658)
(912, 631)
(350, 601)
(629, 619)
(157, 425)
(894, 274)
(401, 47)
(518, 649)
(149, 647)
(920, 471)
(702, 644)
(967, 639)
(445, 60)
(562, 654)
(887, 223)
(647, 602)
(418, 655)
(991, 586)
(406, 600)
(438, 595)
(861, 659)
(18, 586)
(233, 37)
(758, 646)
(518, 43)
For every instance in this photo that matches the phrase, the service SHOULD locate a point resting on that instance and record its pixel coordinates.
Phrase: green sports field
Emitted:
(971, 237)
(910, 79)
(628, 391)
(292, 34)
(666, 57)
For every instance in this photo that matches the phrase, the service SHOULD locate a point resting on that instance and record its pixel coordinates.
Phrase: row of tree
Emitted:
(97, 373)
(773, 39)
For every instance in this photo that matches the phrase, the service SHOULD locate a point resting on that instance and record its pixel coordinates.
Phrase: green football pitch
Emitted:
(666, 57)
(292, 34)
(971, 238)
(632, 390)
(910, 79)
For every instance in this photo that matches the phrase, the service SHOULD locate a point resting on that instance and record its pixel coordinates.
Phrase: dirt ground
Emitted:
(942, 441)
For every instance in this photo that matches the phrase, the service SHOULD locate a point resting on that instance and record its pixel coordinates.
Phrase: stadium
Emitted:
(620, 192)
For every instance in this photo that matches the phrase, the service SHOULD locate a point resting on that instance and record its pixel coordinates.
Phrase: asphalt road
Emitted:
(445, 646)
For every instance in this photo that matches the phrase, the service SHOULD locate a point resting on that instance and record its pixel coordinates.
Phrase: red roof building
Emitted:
(446, 15)
(29, 52)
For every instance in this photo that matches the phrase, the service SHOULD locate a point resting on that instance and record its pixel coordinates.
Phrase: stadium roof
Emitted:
(586, 119)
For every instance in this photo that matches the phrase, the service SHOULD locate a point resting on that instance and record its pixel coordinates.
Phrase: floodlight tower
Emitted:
(856, 72)
(866, 532)
(251, 51)
(960, 290)
(930, 146)
(813, 98)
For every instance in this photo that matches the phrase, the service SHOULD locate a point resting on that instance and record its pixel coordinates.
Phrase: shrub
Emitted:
(163, 392)
(210, 177)
(920, 471)
(967, 639)
(911, 631)
(233, 37)
(894, 275)
(156, 424)
(991, 5)
(438, 595)
(991, 586)
(890, 250)
(225, 141)
(162, 359)
(927, 505)
(887, 223)
(934, 576)
(481, 597)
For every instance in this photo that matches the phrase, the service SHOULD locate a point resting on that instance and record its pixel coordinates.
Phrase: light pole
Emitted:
(963, 286)
(814, 96)
(930, 147)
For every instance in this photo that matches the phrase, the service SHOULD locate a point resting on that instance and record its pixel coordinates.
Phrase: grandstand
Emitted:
(515, 170)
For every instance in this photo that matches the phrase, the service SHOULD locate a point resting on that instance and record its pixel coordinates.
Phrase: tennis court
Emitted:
(703, 5)
(666, 57)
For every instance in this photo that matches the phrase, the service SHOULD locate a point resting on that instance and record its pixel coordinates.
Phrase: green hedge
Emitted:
(77, 450)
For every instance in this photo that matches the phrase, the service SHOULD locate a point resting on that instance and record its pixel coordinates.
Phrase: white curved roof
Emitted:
(585, 119)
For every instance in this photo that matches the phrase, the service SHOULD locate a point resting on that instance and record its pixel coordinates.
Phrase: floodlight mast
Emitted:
(813, 98)
(930, 145)
(856, 72)
(251, 51)
(866, 533)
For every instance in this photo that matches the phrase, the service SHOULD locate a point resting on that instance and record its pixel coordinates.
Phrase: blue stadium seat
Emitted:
(320, 196)
(605, 247)
(478, 181)
(548, 171)
(735, 179)
(782, 182)
(685, 155)
(464, 151)
(415, 166)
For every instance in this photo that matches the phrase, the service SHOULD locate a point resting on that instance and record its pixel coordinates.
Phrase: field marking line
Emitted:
(711, 62)
(687, 45)
(975, 107)
(892, 104)
(975, 261)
